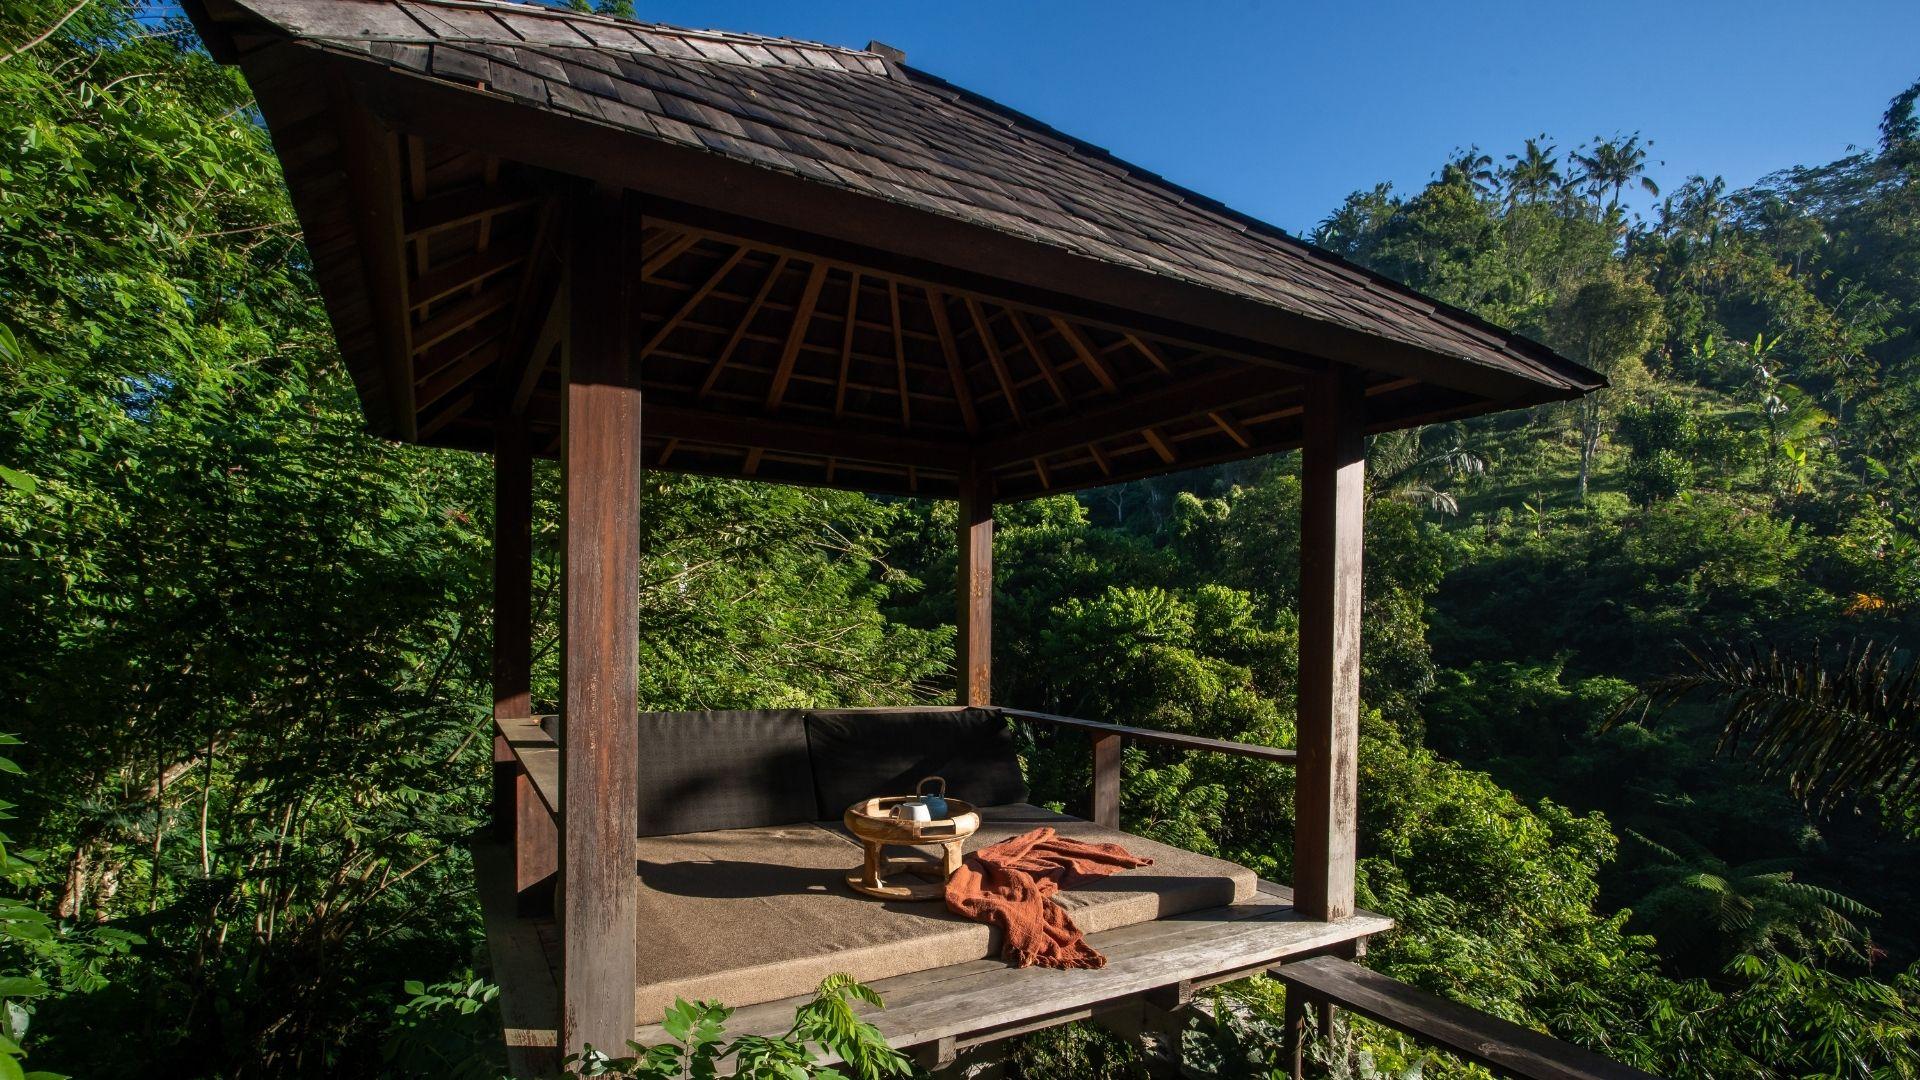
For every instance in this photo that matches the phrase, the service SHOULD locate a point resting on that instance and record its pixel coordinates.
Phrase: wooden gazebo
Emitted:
(629, 246)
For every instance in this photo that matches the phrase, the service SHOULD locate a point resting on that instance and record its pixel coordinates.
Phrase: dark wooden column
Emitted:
(1332, 510)
(520, 819)
(600, 501)
(974, 640)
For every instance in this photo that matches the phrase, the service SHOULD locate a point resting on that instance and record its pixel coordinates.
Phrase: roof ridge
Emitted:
(540, 10)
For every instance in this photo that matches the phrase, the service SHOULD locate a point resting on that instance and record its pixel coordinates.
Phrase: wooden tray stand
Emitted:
(871, 822)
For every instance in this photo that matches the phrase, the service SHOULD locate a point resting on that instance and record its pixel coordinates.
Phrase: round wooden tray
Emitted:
(871, 822)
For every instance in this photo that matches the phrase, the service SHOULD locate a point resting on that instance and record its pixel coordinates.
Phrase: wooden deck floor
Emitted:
(953, 1007)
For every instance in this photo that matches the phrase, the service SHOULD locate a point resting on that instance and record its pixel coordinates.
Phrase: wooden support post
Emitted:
(600, 581)
(520, 820)
(1106, 779)
(1293, 1034)
(975, 637)
(1332, 510)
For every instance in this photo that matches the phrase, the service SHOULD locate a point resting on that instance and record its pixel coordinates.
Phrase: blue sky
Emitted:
(1280, 109)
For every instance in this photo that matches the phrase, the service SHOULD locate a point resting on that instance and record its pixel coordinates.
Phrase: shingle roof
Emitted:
(856, 120)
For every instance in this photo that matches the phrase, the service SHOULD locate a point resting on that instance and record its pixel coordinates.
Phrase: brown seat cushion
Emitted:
(858, 754)
(752, 915)
(702, 771)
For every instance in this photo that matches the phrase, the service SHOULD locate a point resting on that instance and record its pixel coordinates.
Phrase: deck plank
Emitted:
(983, 995)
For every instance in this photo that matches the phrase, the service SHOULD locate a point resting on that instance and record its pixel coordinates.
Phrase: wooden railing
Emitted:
(1107, 740)
(528, 816)
(1505, 1048)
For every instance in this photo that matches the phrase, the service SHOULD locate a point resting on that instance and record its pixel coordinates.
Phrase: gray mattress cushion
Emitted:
(702, 771)
(859, 754)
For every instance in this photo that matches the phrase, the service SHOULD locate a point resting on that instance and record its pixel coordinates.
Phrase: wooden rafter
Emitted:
(436, 285)
(548, 338)
(740, 332)
(457, 374)
(796, 335)
(962, 393)
(846, 343)
(668, 252)
(1220, 390)
(693, 301)
(1159, 443)
(900, 353)
(1152, 354)
(1233, 431)
(461, 316)
(372, 158)
(1094, 365)
(849, 441)
(994, 358)
(463, 207)
(1027, 342)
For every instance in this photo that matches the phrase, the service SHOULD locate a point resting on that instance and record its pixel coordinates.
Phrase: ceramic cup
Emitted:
(913, 810)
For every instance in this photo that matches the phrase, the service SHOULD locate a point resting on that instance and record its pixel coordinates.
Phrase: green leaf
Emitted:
(18, 480)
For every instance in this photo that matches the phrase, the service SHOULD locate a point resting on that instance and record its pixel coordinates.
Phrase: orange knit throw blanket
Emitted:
(1010, 885)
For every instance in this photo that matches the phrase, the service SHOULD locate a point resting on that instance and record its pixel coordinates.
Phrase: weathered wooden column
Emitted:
(974, 640)
(1332, 510)
(600, 502)
(520, 820)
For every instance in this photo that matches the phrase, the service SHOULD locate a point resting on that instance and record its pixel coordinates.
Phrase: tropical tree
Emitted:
(1473, 169)
(1835, 727)
(1534, 173)
(1698, 903)
(1612, 164)
(1607, 323)
(1412, 465)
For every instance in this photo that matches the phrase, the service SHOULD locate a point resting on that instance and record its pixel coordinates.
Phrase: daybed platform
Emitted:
(743, 898)
(953, 992)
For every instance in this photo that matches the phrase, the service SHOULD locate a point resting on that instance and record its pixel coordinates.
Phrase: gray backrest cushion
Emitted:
(701, 771)
(858, 754)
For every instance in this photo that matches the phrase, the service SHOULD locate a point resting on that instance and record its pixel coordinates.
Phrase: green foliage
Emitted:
(700, 1046)
(1834, 727)
(449, 1029)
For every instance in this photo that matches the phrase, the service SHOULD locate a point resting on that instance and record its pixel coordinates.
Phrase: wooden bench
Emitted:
(1505, 1048)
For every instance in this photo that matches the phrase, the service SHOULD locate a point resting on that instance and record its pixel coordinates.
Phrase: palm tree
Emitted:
(1751, 908)
(1406, 466)
(1472, 168)
(1834, 727)
(1534, 174)
(1614, 163)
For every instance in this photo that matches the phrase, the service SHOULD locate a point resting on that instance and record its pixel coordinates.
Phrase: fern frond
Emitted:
(1833, 727)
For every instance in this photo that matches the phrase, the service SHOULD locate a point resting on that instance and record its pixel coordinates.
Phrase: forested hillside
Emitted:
(245, 650)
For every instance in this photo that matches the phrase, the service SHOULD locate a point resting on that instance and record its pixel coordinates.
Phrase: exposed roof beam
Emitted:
(796, 336)
(994, 358)
(843, 442)
(372, 159)
(463, 207)
(1209, 393)
(1094, 365)
(900, 354)
(693, 301)
(962, 393)
(740, 332)
(454, 277)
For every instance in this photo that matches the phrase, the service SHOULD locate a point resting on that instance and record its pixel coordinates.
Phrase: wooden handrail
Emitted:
(1504, 1047)
(1107, 740)
(1162, 738)
(537, 755)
